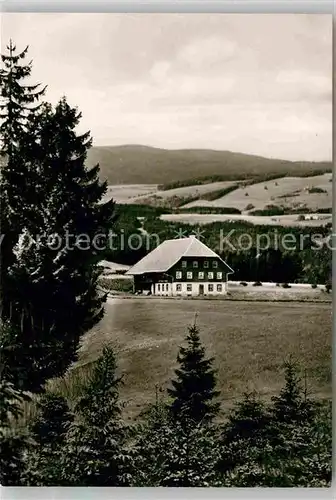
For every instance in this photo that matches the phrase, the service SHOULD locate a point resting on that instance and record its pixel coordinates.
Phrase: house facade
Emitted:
(181, 267)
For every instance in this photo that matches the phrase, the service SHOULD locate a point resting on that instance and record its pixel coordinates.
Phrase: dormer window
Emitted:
(214, 263)
(195, 263)
(184, 263)
(206, 263)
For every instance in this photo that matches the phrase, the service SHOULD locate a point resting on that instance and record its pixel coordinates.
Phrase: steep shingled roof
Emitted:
(169, 253)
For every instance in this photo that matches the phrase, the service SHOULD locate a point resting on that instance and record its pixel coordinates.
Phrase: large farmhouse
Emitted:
(181, 267)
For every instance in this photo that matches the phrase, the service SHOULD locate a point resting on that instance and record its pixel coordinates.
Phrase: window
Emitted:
(195, 263)
(184, 263)
(219, 276)
(158, 287)
(210, 288)
(214, 263)
(167, 287)
(179, 287)
(206, 263)
(219, 287)
(189, 275)
(189, 287)
(210, 276)
(201, 275)
(178, 275)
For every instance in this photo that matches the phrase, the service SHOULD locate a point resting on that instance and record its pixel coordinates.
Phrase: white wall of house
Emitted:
(192, 289)
(163, 289)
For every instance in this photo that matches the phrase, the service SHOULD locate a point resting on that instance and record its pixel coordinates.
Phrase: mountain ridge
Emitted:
(136, 163)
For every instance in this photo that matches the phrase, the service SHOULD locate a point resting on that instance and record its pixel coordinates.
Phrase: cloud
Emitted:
(250, 83)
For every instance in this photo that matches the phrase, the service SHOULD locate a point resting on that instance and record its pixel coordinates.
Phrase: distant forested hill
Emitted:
(133, 164)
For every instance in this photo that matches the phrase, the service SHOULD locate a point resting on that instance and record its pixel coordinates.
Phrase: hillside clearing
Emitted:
(311, 193)
(290, 192)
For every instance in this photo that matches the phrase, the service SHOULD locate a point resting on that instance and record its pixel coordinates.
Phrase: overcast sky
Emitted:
(251, 83)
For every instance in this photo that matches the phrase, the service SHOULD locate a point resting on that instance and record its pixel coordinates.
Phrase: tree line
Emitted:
(177, 441)
(50, 297)
(307, 259)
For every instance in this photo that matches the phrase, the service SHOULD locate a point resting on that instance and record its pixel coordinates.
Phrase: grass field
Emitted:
(274, 220)
(128, 193)
(249, 341)
(289, 192)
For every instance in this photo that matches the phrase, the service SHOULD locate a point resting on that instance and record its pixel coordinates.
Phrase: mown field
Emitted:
(267, 220)
(304, 193)
(249, 341)
(290, 192)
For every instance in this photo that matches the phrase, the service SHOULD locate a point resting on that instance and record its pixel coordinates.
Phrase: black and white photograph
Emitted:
(166, 250)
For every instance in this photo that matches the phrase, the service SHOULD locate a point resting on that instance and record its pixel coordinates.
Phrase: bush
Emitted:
(117, 285)
(316, 190)
(209, 210)
(243, 283)
(249, 207)
(257, 283)
(270, 210)
(285, 285)
(301, 217)
(218, 193)
(314, 285)
(324, 211)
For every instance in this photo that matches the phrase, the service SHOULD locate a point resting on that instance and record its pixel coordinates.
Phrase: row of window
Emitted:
(165, 287)
(162, 287)
(205, 263)
(219, 287)
(201, 275)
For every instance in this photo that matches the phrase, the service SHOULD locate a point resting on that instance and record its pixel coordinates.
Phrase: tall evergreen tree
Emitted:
(95, 453)
(282, 444)
(292, 404)
(48, 433)
(18, 101)
(18, 98)
(12, 443)
(57, 297)
(244, 437)
(172, 453)
(193, 390)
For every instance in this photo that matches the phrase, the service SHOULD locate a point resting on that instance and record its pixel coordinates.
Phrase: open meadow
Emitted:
(310, 193)
(267, 220)
(249, 340)
(291, 192)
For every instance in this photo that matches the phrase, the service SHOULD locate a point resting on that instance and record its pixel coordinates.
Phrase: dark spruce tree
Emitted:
(172, 453)
(95, 453)
(293, 405)
(48, 432)
(193, 393)
(244, 437)
(18, 100)
(55, 272)
(286, 443)
(13, 443)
